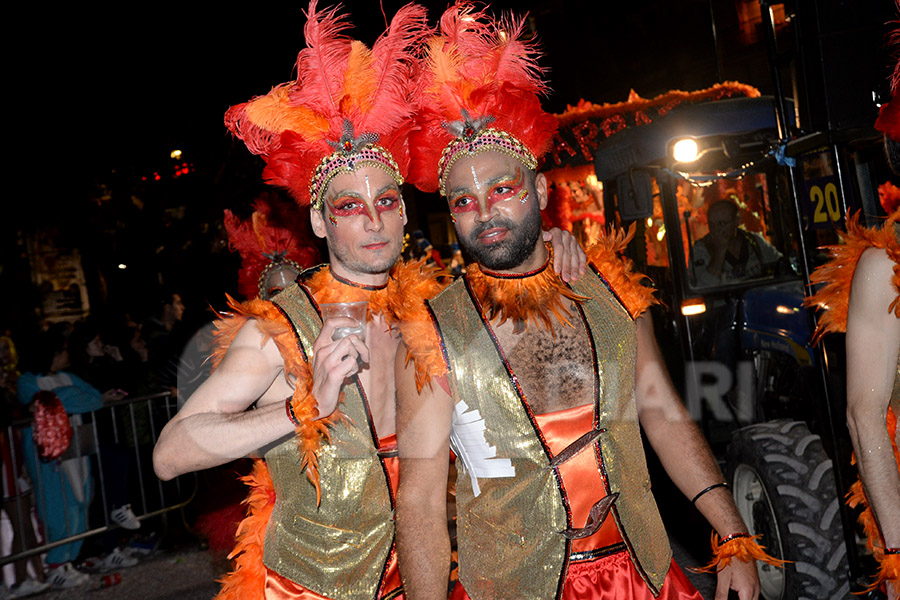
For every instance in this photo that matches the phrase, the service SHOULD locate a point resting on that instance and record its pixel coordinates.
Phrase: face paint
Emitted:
(368, 188)
(505, 189)
(475, 178)
(332, 220)
(453, 218)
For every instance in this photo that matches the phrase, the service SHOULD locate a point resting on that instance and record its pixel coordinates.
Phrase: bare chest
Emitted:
(377, 377)
(555, 369)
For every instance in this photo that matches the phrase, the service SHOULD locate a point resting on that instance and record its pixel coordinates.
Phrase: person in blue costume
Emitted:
(62, 486)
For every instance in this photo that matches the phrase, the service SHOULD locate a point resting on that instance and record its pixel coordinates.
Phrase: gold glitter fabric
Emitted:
(339, 549)
(509, 528)
(615, 340)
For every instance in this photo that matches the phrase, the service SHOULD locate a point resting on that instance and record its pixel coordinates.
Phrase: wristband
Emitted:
(709, 489)
(733, 536)
(290, 411)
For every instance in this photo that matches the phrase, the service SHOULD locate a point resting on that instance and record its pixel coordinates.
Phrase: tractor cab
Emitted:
(715, 229)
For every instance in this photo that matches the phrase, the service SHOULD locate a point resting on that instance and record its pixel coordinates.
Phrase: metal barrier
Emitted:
(101, 440)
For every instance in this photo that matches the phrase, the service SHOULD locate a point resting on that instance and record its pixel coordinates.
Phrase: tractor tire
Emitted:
(784, 488)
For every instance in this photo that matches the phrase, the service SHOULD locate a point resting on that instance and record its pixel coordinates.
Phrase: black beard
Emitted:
(513, 250)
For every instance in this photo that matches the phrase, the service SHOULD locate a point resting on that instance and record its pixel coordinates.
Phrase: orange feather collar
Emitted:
(534, 297)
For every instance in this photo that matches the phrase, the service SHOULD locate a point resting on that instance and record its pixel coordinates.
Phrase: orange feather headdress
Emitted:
(477, 91)
(273, 237)
(348, 107)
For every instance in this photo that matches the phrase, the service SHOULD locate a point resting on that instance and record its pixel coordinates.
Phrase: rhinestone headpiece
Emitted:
(349, 153)
(472, 137)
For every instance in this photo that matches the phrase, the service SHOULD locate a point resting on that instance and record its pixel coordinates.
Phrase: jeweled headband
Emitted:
(472, 137)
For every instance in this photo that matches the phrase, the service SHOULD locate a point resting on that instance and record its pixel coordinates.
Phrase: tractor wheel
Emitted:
(784, 488)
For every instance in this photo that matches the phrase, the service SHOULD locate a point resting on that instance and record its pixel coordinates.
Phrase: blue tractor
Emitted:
(732, 324)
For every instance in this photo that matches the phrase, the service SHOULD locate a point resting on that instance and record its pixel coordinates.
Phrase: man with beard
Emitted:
(539, 386)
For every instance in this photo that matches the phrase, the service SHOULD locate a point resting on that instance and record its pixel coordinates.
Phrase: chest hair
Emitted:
(554, 369)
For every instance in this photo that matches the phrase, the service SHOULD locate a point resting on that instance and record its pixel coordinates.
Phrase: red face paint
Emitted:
(499, 192)
(350, 206)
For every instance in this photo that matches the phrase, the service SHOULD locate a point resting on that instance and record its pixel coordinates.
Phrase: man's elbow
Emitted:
(165, 455)
(162, 465)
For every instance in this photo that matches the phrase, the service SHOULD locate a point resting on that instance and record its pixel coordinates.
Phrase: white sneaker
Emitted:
(66, 576)
(124, 517)
(29, 587)
(117, 560)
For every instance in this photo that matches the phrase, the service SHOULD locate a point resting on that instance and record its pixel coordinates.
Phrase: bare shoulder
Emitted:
(872, 284)
(251, 344)
(251, 365)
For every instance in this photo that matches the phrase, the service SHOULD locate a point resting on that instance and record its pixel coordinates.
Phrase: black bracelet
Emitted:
(892, 550)
(709, 489)
(733, 536)
(289, 409)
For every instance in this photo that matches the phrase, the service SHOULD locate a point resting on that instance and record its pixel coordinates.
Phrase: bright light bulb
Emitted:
(685, 150)
(176, 154)
(123, 266)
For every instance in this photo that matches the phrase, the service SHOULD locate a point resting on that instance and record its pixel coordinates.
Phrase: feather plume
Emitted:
(395, 55)
(321, 65)
(837, 273)
(487, 68)
(337, 79)
(273, 228)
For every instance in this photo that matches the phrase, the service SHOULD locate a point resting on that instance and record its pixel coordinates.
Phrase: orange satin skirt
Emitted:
(613, 577)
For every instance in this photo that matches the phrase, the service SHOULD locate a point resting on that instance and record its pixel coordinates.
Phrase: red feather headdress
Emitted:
(273, 236)
(478, 91)
(346, 97)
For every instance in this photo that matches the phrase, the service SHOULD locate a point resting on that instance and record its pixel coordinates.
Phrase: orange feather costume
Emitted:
(400, 303)
(834, 299)
(348, 107)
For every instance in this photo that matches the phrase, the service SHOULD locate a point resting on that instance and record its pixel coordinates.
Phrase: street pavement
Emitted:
(190, 574)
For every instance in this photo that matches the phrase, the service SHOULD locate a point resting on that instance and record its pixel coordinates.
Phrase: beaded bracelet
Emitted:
(733, 536)
(290, 411)
(709, 489)
(892, 550)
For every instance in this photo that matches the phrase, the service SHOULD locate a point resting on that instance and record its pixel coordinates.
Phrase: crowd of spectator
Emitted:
(53, 385)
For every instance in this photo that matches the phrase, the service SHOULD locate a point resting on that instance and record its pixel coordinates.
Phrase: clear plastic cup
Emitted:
(352, 310)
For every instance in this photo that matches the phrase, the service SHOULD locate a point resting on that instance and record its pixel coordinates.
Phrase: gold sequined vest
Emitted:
(339, 549)
(510, 540)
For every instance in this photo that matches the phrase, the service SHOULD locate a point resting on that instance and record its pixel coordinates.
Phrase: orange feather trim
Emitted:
(411, 284)
(619, 272)
(248, 579)
(888, 570)
(837, 273)
(741, 548)
(856, 497)
(530, 299)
